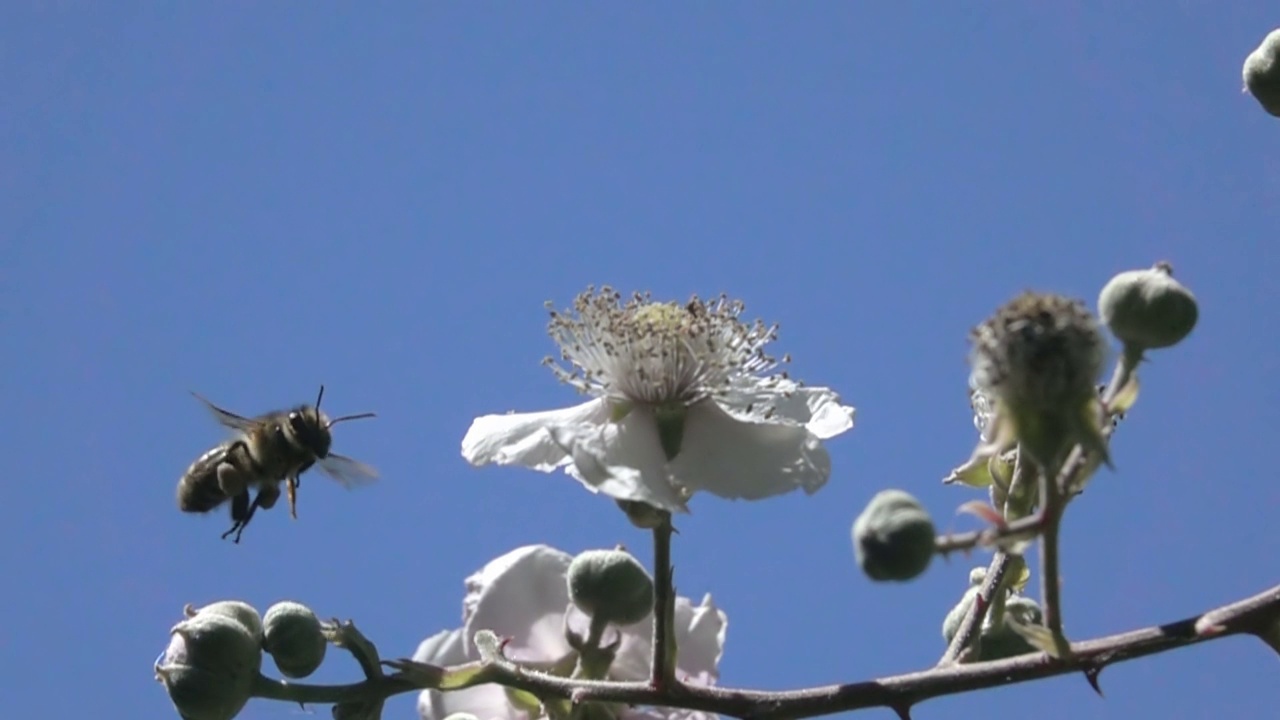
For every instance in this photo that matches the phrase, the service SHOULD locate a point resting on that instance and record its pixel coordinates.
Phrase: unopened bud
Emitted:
(955, 617)
(1148, 309)
(1005, 642)
(241, 612)
(294, 639)
(610, 586)
(1262, 73)
(893, 537)
(209, 667)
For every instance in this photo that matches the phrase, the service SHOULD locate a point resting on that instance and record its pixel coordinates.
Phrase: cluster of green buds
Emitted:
(214, 656)
(999, 636)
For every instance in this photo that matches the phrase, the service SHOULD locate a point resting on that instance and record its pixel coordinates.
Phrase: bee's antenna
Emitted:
(359, 416)
(320, 397)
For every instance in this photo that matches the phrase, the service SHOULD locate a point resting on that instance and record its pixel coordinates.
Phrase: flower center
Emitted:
(656, 353)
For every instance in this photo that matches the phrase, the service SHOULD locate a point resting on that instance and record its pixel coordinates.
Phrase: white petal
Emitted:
(487, 702)
(652, 713)
(747, 460)
(522, 595)
(700, 632)
(623, 460)
(818, 409)
(447, 647)
(524, 438)
(451, 648)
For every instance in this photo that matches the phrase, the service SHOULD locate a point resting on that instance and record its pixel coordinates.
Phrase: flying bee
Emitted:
(267, 450)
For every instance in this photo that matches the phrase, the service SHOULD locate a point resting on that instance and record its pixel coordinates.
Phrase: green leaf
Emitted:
(974, 473)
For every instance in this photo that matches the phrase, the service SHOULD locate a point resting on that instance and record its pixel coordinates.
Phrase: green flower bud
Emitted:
(209, 667)
(1005, 642)
(893, 537)
(610, 586)
(951, 623)
(241, 612)
(1262, 73)
(294, 639)
(1148, 309)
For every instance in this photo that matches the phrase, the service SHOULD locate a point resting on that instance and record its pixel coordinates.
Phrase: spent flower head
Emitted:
(681, 402)
(1038, 358)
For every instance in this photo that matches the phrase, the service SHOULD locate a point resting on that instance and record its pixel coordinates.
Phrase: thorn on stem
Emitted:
(1091, 674)
(902, 711)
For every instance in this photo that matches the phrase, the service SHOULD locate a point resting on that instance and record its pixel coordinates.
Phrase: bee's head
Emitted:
(311, 428)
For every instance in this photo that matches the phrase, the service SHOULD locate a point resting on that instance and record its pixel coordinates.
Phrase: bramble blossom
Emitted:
(680, 404)
(523, 596)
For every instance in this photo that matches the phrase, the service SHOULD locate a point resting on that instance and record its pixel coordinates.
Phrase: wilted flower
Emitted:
(524, 596)
(1039, 358)
(680, 405)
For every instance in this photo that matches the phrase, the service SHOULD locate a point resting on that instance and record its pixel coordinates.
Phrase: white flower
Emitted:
(523, 595)
(680, 405)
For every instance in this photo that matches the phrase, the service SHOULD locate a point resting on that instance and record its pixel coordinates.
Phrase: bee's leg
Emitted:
(292, 489)
(295, 481)
(241, 512)
(231, 479)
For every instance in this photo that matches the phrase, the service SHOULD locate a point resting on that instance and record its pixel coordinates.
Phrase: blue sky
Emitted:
(247, 200)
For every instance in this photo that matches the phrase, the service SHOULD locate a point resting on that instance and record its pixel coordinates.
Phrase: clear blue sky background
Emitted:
(247, 200)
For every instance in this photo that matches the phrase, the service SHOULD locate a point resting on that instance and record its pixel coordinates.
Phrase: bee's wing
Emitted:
(350, 473)
(226, 417)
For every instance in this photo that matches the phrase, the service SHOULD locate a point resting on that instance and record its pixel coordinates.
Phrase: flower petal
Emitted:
(623, 460)
(447, 647)
(486, 702)
(522, 596)
(818, 409)
(747, 460)
(700, 632)
(523, 438)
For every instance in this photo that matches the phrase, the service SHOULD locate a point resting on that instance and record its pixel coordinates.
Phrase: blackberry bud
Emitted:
(955, 617)
(1148, 309)
(209, 667)
(1262, 73)
(294, 639)
(1005, 642)
(893, 537)
(610, 586)
(241, 612)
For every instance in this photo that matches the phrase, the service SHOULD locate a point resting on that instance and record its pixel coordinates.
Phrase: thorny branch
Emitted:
(1257, 615)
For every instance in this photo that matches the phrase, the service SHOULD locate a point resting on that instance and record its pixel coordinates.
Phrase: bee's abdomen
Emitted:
(198, 489)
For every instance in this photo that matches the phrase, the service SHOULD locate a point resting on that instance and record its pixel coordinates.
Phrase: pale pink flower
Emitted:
(523, 596)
